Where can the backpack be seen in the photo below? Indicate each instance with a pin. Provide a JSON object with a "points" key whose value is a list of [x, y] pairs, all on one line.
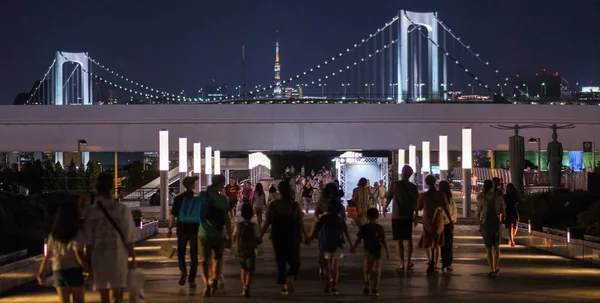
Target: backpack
{"points": [[190, 211], [210, 215], [402, 200], [246, 241], [330, 232]]}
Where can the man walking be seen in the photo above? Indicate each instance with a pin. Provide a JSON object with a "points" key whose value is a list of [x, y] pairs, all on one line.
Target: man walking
{"points": [[186, 232], [405, 195]]}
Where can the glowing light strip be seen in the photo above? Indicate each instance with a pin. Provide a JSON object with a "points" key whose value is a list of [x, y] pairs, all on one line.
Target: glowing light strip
{"points": [[43, 79], [319, 66], [136, 83], [468, 47]]}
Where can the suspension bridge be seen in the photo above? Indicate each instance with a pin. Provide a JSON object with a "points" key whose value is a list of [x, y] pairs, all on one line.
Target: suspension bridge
{"points": [[414, 57]]}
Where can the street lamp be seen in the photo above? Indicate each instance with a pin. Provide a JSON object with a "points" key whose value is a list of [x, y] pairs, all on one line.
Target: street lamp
{"points": [[401, 161], [217, 162], [80, 142], [163, 166], [467, 165], [539, 153], [472, 89]]}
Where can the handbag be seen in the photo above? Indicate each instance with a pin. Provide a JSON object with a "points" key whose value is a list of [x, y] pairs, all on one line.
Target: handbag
{"points": [[135, 278], [352, 212]]}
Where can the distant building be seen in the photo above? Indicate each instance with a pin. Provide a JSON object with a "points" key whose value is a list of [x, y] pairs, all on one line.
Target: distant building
{"points": [[215, 91], [293, 92], [540, 87], [277, 91]]}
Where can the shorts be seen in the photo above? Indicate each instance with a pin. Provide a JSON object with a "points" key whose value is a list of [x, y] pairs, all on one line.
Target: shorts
{"points": [[248, 264], [402, 229], [210, 247], [232, 204], [373, 261], [336, 255], [68, 277]]}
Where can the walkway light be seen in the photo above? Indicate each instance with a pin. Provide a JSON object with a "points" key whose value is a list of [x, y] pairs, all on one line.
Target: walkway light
{"points": [[467, 153], [443, 152], [208, 161], [412, 156], [425, 155], [163, 151], [183, 167], [401, 160], [217, 162]]}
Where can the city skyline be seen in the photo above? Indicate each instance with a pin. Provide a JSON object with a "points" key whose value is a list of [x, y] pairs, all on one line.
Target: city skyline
{"points": [[308, 35]]}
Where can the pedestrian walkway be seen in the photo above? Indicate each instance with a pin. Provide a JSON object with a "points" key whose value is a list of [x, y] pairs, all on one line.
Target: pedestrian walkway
{"points": [[526, 275]]}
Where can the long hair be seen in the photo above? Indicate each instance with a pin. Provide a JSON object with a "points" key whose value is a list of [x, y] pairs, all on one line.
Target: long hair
{"points": [[511, 189], [285, 191], [430, 181], [272, 189], [259, 189], [488, 186], [362, 182], [66, 223], [445, 189], [330, 192]]}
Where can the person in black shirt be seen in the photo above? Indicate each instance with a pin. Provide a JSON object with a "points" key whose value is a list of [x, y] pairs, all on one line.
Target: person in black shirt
{"points": [[374, 236], [186, 232]]}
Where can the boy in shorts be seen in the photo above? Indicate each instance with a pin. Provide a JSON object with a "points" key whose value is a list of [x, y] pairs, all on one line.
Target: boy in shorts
{"points": [[374, 236], [246, 237]]}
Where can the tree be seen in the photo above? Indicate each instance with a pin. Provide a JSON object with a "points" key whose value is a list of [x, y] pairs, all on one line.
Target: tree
{"points": [[151, 173], [135, 174], [93, 171], [71, 181]]}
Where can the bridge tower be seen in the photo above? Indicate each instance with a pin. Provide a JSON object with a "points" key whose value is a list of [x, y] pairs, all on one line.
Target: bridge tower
{"points": [[427, 20], [84, 86]]}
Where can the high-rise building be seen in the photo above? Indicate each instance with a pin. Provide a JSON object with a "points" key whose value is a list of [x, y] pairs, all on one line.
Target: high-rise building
{"points": [[277, 91]]}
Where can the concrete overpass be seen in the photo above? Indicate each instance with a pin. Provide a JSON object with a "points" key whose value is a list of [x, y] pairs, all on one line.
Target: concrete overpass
{"points": [[285, 127]]}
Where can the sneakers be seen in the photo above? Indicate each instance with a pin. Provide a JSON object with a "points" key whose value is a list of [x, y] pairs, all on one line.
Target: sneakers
{"points": [[214, 287], [182, 279], [375, 292], [207, 291], [290, 284], [246, 291], [327, 287], [284, 291], [334, 290], [366, 288]]}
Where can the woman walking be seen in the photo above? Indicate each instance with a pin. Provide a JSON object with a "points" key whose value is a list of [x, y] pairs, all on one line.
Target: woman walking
{"points": [[111, 237], [65, 250], [307, 193], [259, 201], [449, 221], [512, 214], [490, 212], [286, 233], [360, 199], [432, 203]]}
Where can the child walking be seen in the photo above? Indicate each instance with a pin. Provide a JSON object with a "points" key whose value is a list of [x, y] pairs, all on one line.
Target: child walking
{"points": [[246, 236], [374, 236], [330, 229]]}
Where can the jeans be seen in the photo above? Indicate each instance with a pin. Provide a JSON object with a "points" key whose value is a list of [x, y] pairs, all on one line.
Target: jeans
{"points": [[182, 241], [286, 254], [447, 253]]}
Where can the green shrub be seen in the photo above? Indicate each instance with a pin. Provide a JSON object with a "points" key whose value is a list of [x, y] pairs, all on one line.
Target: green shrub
{"points": [[557, 208], [590, 219]]}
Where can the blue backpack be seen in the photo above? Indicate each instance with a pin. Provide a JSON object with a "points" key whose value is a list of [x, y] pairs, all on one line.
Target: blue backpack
{"points": [[330, 233], [191, 210]]}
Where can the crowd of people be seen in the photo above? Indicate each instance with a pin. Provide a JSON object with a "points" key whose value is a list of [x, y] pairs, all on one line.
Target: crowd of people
{"points": [[107, 232]]}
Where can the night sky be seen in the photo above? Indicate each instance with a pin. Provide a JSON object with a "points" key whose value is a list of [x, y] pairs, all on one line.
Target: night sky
{"points": [[177, 45]]}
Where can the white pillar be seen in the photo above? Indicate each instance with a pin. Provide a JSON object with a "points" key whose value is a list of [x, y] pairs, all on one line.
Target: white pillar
{"points": [[467, 164], [198, 164], [163, 163], [401, 162], [183, 163], [217, 163], [443, 157], [208, 164], [426, 159], [412, 161]]}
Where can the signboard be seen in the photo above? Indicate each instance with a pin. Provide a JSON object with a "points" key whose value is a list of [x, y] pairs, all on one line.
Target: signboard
{"points": [[587, 147]]}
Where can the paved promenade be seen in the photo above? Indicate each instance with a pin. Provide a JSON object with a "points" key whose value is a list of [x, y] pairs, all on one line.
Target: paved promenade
{"points": [[525, 276]]}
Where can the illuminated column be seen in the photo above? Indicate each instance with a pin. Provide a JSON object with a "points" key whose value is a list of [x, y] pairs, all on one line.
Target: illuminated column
{"points": [[198, 164], [467, 164], [217, 162], [412, 160], [183, 165], [443, 158], [426, 160], [208, 164], [401, 162], [163, 166]]}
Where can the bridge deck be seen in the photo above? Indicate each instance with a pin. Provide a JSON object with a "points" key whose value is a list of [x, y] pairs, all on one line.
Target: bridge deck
{"points": [[526, 276]]}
